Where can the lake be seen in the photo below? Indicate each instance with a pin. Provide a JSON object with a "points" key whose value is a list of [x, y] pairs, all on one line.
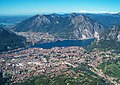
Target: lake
{"points": [[64, 43]]}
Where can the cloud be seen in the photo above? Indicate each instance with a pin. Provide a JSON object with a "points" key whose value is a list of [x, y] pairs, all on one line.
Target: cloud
{"points": [[85, 11]]}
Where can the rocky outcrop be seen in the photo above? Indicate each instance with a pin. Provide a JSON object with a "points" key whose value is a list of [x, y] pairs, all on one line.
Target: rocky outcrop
{"points": [[112, 34]]}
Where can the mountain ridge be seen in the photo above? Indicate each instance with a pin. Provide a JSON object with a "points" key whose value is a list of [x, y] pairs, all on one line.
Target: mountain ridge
{"points": [[66, 26]]}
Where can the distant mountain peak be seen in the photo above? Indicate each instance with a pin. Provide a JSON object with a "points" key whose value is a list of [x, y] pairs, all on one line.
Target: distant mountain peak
{"points": [[73, 14], [39, 16]]}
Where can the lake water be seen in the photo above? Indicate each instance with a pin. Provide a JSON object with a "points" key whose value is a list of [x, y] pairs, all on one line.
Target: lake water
{"points": [[65, 43]]}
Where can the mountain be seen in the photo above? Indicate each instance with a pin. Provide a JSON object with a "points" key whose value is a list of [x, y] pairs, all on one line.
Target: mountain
{"points": [[9, 40], [62, 26], [107, 20], [109, 40], [112, 34]]}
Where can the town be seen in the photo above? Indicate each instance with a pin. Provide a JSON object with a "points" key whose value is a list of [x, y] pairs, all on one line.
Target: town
{"points": [[30, 62]]}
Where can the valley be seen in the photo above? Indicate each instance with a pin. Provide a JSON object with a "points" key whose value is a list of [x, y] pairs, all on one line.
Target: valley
{"points": [[55, 49]]}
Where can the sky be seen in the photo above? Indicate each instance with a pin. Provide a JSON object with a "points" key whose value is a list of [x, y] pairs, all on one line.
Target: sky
{"points": [[22, 7]]}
